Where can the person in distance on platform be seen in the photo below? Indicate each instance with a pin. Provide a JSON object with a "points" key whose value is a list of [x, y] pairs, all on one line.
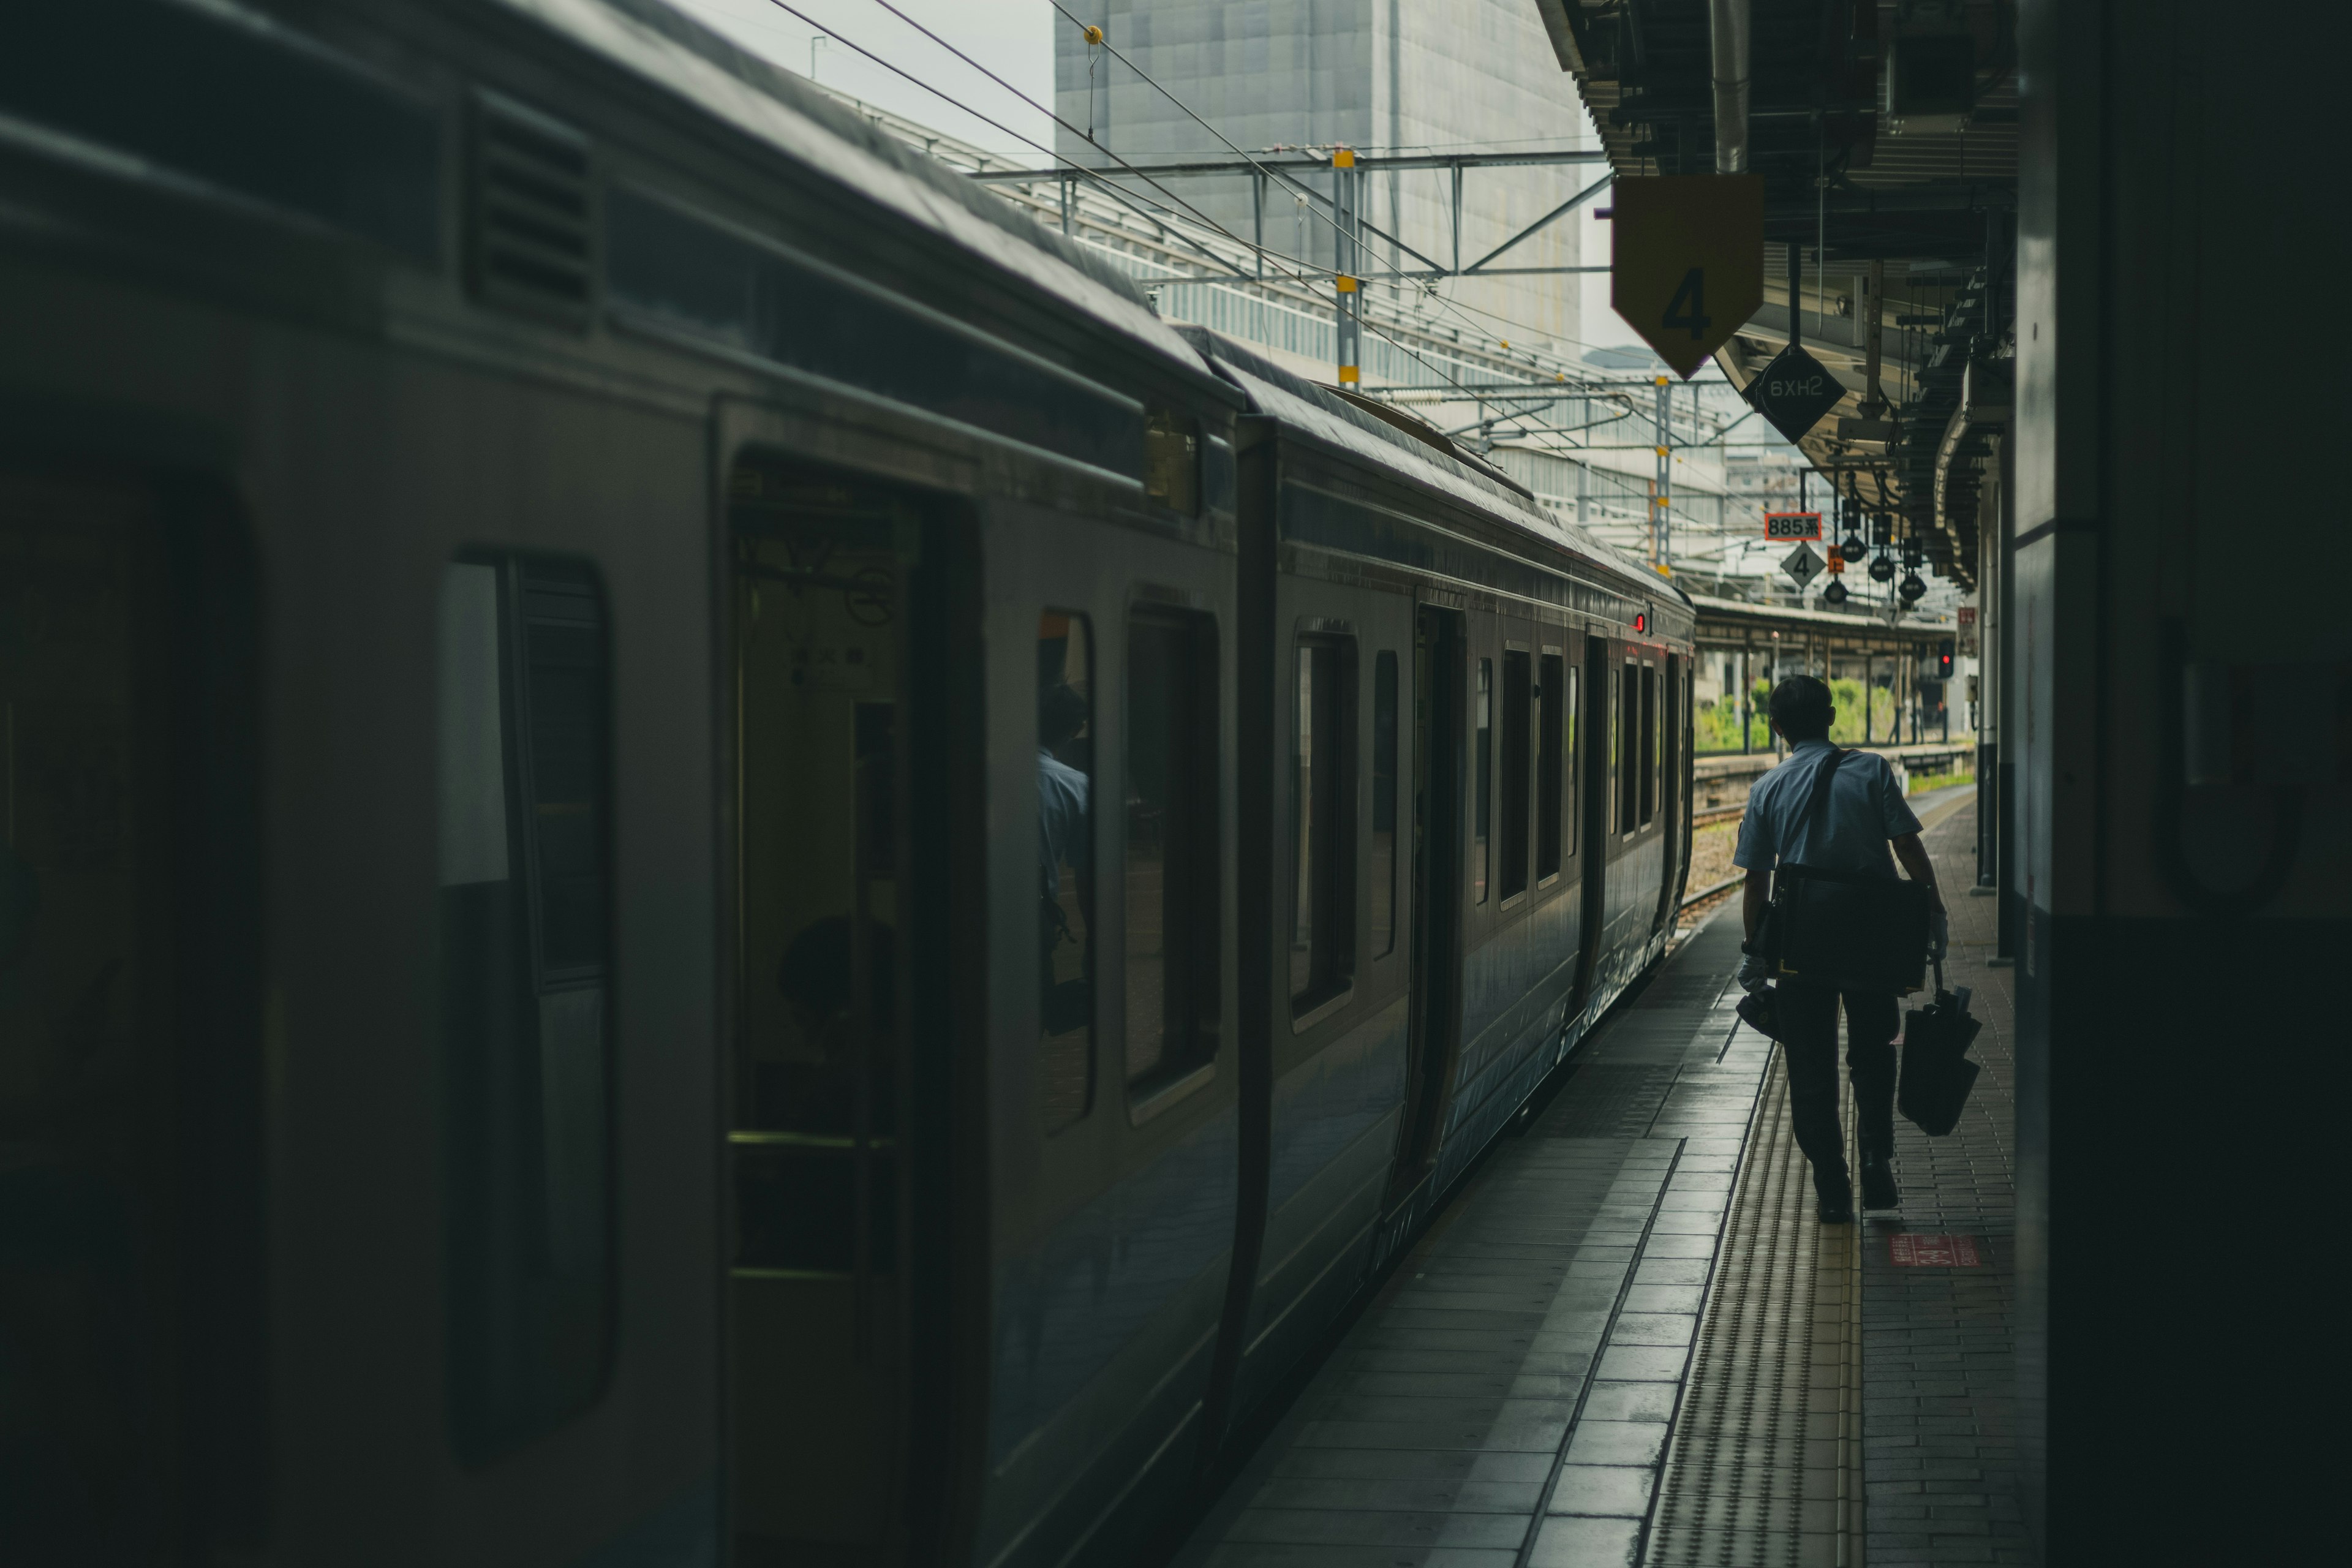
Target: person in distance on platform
{"points": [[1863, 813]]}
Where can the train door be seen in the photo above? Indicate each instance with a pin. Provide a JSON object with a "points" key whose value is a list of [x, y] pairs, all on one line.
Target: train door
{"points": [[1675, 833], [841, 863], [132, 1264], [1597, 801], [1436, 883]]}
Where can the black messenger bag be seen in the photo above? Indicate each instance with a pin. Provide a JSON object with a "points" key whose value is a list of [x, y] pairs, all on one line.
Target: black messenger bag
{"points": [[1848, 929]]}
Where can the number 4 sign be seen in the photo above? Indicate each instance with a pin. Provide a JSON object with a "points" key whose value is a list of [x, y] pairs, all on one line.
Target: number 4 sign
{"points": [[1688, 268]]}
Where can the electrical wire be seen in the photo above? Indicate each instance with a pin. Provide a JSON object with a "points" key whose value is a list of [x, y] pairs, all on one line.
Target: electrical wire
{"points": [[1257, 249], [1110, 188], [1262, 170]]}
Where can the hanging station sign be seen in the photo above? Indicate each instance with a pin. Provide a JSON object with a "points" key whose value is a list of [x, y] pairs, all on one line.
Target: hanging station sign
{"points": [[1801, 565], [1793, 525], [1794, 391], [1687, 265]]}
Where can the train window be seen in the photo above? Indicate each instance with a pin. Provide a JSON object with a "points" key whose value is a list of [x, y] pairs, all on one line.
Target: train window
{"points": [[1571, 771], [1172, 460], [1173, 847], [1551, 692], [1672, 699], [1482, 763], [1651, 716], [1624, 744], [1323, 827], [1066, 868], [525, 910], [1384, 802], [1519, 687]]}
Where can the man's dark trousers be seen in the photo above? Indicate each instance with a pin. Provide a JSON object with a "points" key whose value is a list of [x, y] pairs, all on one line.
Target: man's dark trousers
{"points": [[1806, 1016]]}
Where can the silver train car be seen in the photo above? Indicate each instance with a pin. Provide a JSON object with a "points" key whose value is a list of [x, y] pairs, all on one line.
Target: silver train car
{"points": [[707, 857]]}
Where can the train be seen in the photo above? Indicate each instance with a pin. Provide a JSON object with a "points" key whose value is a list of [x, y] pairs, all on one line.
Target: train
{"points": [[709, 855]]}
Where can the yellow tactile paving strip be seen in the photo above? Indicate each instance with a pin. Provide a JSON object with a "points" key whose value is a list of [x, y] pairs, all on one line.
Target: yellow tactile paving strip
{"points": [[1765, 1469]]}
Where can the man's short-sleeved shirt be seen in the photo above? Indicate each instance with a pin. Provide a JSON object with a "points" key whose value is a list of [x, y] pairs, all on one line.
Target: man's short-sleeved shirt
{"points": [[1061, 822], [1864, 811]]}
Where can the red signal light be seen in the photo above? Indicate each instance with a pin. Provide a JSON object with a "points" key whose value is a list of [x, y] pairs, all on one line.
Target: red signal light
{"points": [[1640, 622]]}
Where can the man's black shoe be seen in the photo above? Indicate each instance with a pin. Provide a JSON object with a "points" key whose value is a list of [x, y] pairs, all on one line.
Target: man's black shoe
{"points": [[1838, 1210], [1878, 1188]]}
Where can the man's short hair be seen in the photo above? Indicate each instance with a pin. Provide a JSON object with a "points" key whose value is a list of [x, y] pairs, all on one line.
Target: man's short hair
{"points": [[1800, 707], [1061, 713]]}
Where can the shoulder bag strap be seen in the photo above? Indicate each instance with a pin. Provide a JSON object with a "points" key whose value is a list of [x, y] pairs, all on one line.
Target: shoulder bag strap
{"points": [[1823, 777], [1815, 801]]}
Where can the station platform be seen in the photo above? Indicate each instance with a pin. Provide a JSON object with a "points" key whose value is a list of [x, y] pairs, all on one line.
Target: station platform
{"points": [[1627, 1341]]}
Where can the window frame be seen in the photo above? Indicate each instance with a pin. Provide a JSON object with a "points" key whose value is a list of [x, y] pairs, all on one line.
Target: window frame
{"points": [[1515, 776], [1083, 884], [1624, 746], [1332, 989], [477, 1437], [1150, 1094], [1553, 766], [1482, 779], [1387, 757]]}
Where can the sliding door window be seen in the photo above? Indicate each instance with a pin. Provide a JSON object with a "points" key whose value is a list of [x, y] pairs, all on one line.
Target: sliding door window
{"points": [[1651, 718], [1066, 881], [1482, 780], [1625, 745], [1322, 817], [1551, 694], [525, 914], [1172, 870], [1384, 802], [1518, 685]]}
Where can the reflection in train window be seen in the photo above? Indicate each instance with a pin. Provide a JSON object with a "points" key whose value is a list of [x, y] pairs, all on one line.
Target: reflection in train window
{"points": [[1550, 762], [1650, 722], [1066, 868], [1572, 768], [1511, 873], [525, 913], [823, 660], [1322, 822], [1172, 460], [1384, 802], [1482, 762], [1172, 870], [1624, 744]]}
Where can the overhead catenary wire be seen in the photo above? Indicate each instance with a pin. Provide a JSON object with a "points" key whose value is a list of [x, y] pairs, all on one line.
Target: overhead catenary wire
{"points": [[1267, 171], [1294, 276], [1521, 426], [1110, 188]]}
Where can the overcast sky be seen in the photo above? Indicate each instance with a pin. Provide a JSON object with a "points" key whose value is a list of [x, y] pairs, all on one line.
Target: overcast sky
{"points": [[1012, 38]]}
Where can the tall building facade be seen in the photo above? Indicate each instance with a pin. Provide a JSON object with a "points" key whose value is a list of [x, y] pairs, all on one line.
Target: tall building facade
{"points": [[1373, 75]]}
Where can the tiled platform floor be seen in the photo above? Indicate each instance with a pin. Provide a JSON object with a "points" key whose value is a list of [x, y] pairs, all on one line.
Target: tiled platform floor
{"points": [[1509, 1397], [1939, 1446]]}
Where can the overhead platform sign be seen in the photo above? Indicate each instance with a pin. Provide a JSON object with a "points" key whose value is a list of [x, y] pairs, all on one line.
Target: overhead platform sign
{"points": [[1688, 266], [1794, 391]]}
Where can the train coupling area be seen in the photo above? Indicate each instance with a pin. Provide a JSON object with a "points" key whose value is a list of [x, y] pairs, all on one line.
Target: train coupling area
{"points": [[1629, 1341]]}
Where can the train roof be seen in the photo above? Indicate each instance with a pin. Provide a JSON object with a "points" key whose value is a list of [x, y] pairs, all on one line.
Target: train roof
{"points": [[649, 39], [1335, 422]]}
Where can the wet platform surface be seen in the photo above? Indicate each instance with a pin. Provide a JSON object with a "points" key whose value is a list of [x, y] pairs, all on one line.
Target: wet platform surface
{"points": [[1627, 1341]]}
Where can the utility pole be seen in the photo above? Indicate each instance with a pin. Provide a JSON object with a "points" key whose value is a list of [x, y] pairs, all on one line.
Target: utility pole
{"points": [[1348, 323], [814, 42], [1662, 490]]}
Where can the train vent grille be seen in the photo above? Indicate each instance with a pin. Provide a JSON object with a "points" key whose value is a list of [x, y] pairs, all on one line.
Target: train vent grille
{"points": [[533, 219]]}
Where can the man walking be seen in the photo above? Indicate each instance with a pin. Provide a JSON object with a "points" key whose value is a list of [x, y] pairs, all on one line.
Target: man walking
{"points": [[1864, 813]]}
